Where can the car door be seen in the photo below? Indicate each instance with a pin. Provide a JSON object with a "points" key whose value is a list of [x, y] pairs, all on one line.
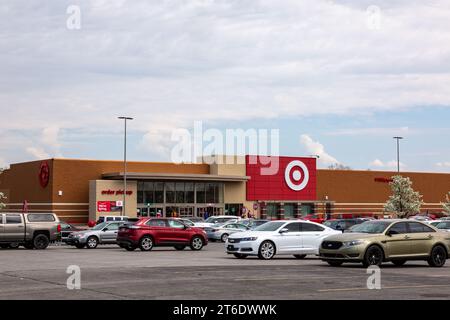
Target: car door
{"points": [[109, 233], [177, 232], [398, 243], [312, 236], [159, 230], [289, 242], [13, 227], [422, 237]]}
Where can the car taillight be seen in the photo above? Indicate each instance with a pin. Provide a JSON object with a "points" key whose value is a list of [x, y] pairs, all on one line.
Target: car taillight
{"points": [[58, 228]]}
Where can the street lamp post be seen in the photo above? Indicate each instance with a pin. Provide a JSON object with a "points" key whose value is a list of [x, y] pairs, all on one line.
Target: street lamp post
{"points": [[398, 152], [124, 164]]}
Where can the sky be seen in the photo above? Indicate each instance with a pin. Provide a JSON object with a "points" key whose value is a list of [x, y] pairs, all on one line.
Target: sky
{"points": [[337, 78]]}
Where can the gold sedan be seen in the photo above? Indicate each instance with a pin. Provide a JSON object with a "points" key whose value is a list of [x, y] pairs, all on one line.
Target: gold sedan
{"points": [[374, 242]]}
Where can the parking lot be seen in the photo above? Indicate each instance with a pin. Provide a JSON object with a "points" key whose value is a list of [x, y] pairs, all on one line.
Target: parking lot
{"points": [[113, 273]]}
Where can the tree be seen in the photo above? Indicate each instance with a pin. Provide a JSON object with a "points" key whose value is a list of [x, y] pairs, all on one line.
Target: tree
{"points": [[338, 166], [2, 196], [446, 205], [404, 201]]}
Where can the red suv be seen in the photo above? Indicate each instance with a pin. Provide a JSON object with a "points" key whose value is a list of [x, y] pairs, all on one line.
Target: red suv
{"points": [[160, 232]]}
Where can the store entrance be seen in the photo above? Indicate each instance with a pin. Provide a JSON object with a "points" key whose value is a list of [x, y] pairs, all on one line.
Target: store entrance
{"points": [[205, 212], [150, 212], [182, 212]]}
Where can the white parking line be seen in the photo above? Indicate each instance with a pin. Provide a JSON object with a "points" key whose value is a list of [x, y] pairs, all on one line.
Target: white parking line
{"points": [[391, 287]]}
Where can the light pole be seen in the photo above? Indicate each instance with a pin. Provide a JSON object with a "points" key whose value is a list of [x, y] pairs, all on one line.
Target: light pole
{"points": [[124, 163], [398, 152]]}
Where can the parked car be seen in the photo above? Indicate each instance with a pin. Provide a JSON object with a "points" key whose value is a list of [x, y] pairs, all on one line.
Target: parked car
{"points": [[433, 223], [342, 224], [374, 242], [187, 222], [216, 219], [67, 229], [102, 219], [420, 218], [196, 219], [103, 233], [444, 225], [313, 218], [284, 237], [158, 232], [256, 223], [221, 232], [32, 230]]}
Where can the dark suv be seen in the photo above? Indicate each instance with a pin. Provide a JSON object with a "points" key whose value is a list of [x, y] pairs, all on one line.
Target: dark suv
{"points": [[158, 232]]}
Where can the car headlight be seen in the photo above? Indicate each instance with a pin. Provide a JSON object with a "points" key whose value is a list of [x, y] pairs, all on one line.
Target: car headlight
{"points": [[352, 243], [249, 239]]}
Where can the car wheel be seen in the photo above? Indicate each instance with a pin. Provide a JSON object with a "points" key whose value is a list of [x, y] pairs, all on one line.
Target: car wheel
{"points": [[398, 263], [300, 256], [130, 248], [437, 257], [224, 237], [146, 243], [4, 246], [373, 257], [240, 255], [41, 241], [196, 243], [335, 263], [92, 242], [79, 246], [180, 247], [266, 250]]}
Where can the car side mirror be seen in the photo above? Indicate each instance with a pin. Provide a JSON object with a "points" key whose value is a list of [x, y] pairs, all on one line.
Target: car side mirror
{"points": [[391, 232], [106, 229], [284, 230]]}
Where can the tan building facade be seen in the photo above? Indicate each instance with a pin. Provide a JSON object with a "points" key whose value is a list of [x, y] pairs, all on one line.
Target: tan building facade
{"points": [[81, 190]]}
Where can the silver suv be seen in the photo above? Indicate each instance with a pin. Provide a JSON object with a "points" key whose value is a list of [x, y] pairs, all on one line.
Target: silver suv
{"points": [[103, 233]]}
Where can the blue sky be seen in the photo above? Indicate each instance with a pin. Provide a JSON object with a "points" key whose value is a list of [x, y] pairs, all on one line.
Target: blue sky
{"points": [[337, 78]]}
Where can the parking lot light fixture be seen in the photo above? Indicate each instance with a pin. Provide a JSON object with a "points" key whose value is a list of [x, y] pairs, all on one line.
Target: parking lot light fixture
{"points": [[124, 163]]}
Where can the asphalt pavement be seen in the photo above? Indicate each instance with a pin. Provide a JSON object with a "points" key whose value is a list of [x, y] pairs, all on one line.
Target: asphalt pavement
{"points": [[110, 272]]}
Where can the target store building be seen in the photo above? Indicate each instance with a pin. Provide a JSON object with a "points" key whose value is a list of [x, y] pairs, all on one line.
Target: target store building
{"points": [[264, 187]]}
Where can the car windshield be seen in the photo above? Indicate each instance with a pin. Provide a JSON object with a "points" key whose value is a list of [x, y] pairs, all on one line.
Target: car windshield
{"points": [[211, 220], [270, 226], [371, 227], [443, 225], [100, 226], [329, 223]]}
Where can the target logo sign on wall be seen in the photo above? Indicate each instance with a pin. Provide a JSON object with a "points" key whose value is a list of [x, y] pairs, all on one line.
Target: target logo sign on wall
{"points": [[294, 180]]}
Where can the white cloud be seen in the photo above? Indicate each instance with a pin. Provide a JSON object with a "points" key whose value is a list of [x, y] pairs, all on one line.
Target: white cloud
{"points": [[37, 153], [377, 163], [316, 148], [177, 61], [443, 164]]}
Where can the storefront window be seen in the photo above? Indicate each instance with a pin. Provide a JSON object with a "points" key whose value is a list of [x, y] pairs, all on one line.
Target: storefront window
{"points": [[149, 196], [189, 192], [179, 189], [159, 192], [288, 210], [209, 191], [271, 210], [200, 190], [170, 192]]}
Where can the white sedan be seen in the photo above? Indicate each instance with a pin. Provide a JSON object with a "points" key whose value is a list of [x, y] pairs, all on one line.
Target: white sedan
{"points": [[287, 237]]}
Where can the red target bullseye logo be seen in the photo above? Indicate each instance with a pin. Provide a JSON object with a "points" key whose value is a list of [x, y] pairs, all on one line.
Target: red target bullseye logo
{"points": [[296, 175]]}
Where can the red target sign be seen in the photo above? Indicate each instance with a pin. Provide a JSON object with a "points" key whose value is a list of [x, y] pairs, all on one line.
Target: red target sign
{"points": [[294, 179], [44, 174]]}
